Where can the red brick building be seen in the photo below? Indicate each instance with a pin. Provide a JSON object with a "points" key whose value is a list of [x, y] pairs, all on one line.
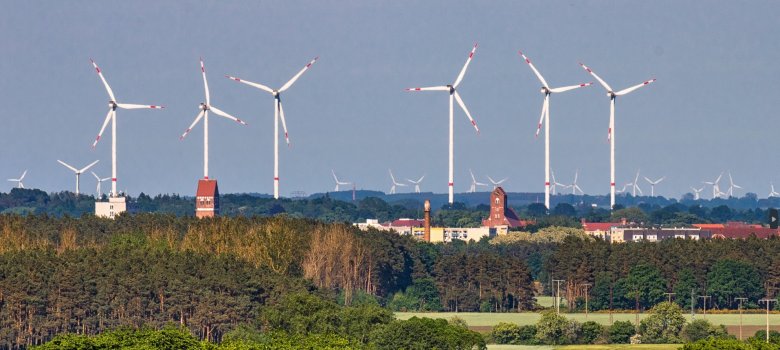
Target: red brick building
{"points": [[741, 230], [207, 198], [500, 212]]}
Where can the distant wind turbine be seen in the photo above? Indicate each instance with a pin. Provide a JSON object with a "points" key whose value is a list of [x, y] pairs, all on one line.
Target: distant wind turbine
{"points": [[338, 183], [497, 183], [715, 186], [635, 185], [395, 183], [451, 89], [78, 171], [696, 193], [773, 193], [99, 181], [416, 183], [574, 186], [732, 186], [653, 183], [19, 183], [474, 183]]}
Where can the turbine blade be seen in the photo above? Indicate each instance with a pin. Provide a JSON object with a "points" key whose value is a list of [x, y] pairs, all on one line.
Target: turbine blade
{"points": [[23, 175], [533, 68], [224, 114], [247, 82], [284, 123], [197, 119], [305, 68], [103, 128], [68, 166], [88, 166], [637, 86], [541, 118], [465, 66], [430, 88], [463, 105], [567, 88], [95, 175], [134, 106], [601, 81], [205, 82], [105, 83]]}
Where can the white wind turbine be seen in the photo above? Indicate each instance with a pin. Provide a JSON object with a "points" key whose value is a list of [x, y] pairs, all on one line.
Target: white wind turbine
{"points": [[611, 132], [623, 190], [732, 186], [574, 186], [99, 181], [453, 94], [205, 107], [696, 193], [497, 183], [78, 171], [772, 193], [395, 183], [111, 117], [338, 183], [653, 183], [554, 184], [19, 183], [278, 112], [474, 183], [416, 183], [715, 186], [635, 185], [545, 118]]}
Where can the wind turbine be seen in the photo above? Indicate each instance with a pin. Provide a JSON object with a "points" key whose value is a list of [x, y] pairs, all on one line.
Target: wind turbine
{"points": [[545, 118], [611, 132], [278, 112], [99, 181], [773, 193], [395, 183], [474, 183], [574, 186], [496, 183], [338, 183], [732, 186], [696, 193], [653, 183], [416, 183], [19, 183], [635, 185], [111, 117], [453, 94], [623, 190], [78, 171], [205, 107], [715, 186], [554, 184]]}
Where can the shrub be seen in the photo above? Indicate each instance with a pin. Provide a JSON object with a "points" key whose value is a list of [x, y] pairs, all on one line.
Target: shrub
{"points": [[702, 329], [505, 333], [663, 325], [589, 332], [620, 332], [720, 344], [555, 329]]}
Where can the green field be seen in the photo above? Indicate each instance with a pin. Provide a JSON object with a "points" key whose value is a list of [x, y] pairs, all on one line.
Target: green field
{"points": [[486, 319], [587, 347]]}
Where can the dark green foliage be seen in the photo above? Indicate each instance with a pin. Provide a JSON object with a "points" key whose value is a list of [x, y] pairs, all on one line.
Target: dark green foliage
{"points": [[425, 333], [731, 278], [728, 344], [620, 332], [760, 336], [555, 329], [702, 329], [590, 332], [663, 325]]}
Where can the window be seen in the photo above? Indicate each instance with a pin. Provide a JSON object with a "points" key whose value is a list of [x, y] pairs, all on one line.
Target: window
{"points": [[498, 201], [637, 237]]}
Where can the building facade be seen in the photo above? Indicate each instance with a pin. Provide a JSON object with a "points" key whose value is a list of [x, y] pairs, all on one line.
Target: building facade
{"points": [[207, 199]]}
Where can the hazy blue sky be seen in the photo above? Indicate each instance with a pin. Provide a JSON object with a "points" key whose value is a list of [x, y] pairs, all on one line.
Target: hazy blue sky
{"points": [[712, 109]]}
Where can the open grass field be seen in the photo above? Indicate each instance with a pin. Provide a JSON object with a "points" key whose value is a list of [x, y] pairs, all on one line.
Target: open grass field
{"points": [[587, 347]]}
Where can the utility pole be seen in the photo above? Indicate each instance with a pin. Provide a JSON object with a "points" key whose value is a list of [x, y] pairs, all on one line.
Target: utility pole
{"points": [[558, 297], [693, 305], [587, 285], [740, 316], [767, 301], [669, 296], [705, 303]]}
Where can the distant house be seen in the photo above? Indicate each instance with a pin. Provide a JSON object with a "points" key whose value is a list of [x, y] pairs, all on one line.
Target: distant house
{"points": [[740, 230], [207, 198], [501, 215]]}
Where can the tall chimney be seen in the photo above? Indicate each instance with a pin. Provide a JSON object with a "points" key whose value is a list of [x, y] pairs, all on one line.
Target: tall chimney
{"points": [[427, 224]]}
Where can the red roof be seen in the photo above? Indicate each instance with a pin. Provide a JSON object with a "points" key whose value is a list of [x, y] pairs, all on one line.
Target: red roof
{"points": [[207, 188], [709, 226], [407, 223], [600, 226]]}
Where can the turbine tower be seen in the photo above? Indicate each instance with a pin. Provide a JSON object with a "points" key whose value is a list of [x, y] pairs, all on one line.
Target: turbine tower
{"points": [[278, 112], [338, 183], [611, 132], [496, 183], [78, 171], [19, 183], [474, 183], [653, 183], [205, 107], [99, 181], [111, 117], [545, 118], [395, 183], [453, 95], [416, 183]]}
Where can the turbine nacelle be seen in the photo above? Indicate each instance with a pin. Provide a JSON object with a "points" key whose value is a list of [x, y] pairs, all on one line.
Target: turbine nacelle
{"points": [[112, 105], [204, 107], [545, 90]]}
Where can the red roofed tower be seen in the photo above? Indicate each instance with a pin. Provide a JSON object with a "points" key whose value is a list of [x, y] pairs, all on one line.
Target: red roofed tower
{"points": [[500, 212], [207, 199]]}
